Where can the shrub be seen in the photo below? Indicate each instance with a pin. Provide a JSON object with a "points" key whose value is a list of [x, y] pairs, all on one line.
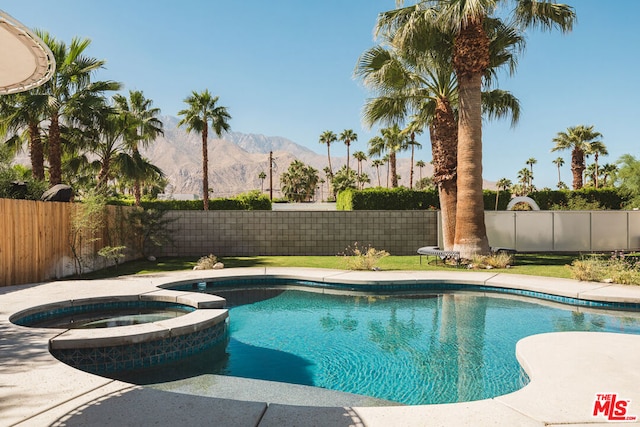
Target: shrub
{"points": [[363, 258], [499, 260], [617, 269], [206, 262]]}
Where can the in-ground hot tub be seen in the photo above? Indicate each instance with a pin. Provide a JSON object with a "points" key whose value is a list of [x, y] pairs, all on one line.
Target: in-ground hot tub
{"points": [[144, 342]]}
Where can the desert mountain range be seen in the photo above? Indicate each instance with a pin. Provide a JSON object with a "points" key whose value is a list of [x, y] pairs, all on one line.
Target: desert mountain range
{"points": [[236, 160]]}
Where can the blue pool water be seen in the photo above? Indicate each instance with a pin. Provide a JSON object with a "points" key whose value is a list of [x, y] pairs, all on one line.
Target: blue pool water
{"points": [[420, 349], [412, 350]]}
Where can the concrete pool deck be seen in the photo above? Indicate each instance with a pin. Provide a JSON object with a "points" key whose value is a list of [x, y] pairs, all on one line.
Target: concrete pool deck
{"points": [[567, 369]]}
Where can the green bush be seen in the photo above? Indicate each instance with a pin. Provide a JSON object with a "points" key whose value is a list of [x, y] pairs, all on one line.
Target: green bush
{"points": [[387, 199], [489, 198]]}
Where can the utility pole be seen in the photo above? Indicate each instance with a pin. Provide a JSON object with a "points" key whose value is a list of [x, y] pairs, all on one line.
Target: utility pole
{"points": [[270, 175]]}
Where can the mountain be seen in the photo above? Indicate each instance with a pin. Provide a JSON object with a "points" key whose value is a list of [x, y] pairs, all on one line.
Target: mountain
{"points": [[236, 160]]}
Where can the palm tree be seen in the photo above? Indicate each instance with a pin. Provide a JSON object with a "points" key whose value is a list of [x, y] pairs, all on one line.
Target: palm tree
{"points": [[360, 157], [416, 81], [530, 163], [25, 111], [524, 178], [608, 170], [145, 128], [391, 141], [202, 110], [69, 92], [578, 140], [348, 136], [299, 182], [415, 127], [420, 164], [376, 164], [559, 162], [344, 179], [597, 148], [466, 20], [328, 137], [503, 183], [262, 176], [363, 179]]}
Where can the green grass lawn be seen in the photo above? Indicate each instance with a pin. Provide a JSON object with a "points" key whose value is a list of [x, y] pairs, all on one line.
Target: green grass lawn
{"points": [[537, 264]]}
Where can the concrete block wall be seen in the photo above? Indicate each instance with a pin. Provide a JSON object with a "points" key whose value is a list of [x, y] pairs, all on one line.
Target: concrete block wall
{"points": [[246, 233]]}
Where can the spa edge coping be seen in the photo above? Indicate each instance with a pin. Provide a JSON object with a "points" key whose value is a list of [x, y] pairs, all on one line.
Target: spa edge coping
{"points": [[209, 312]]}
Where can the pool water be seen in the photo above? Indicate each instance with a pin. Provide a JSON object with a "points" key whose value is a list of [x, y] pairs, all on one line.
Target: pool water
{"points": [[111, 317], [408, 349]]}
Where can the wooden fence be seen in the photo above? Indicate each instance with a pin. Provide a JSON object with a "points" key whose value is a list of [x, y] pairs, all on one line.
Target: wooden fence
{"points": [[35, 241]]}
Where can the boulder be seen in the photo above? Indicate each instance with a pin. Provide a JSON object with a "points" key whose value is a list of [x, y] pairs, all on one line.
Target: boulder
{"points": [[58, 193]]}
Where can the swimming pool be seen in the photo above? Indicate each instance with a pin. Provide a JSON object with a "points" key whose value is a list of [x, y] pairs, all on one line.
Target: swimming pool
{"points": [[412, 349]]}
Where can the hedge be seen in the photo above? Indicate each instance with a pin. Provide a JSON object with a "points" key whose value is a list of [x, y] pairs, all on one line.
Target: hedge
{"points": [[387, 199], [607, 198], [243, 202]]}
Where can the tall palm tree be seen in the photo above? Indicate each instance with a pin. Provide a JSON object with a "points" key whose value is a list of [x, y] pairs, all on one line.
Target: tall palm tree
{"points": [[328, 137], [145, 127], [419, 81], [530, 162], [470, 59], [420, 164], [69, 92], [578, 140], [596, 148], [559, 162], [348, 136], [203, 109], [376, 164]]}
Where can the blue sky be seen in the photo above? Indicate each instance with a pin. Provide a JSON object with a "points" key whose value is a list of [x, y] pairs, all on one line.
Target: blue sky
{"points": [[285, 68]]}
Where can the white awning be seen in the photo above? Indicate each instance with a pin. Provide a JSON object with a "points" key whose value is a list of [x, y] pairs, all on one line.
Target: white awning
{"points": [[25, 60]]}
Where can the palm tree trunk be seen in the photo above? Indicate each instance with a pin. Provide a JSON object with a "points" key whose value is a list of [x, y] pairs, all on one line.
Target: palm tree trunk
{"points": [[55, 152], [329, 159], [596, 172], [103, 175], [577, 167], [36, 152], [411, 167], [137, 193], [443, 133], [448, 194], [394, 169], [471, 233], [378, 173], [348, 159], [205, 166]]}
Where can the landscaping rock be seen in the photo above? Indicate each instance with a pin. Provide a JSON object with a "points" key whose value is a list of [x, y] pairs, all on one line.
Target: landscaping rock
{"points": [[58, 193]]}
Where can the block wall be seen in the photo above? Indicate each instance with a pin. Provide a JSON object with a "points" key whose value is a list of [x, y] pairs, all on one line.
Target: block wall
{"points": [[246, 233]]}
